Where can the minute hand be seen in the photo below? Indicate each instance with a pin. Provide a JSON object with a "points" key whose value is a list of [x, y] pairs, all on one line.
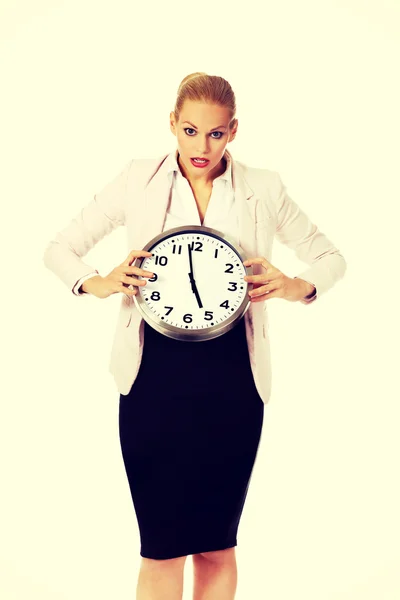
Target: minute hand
{"points": [[192, 280]]}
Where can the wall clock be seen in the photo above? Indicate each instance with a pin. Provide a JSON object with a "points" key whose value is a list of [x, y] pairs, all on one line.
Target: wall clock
{"points": [[198, 291]]}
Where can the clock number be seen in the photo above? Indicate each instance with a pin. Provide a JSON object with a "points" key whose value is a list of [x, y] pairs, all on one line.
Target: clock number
{"points": [[154, 278], [199, 246], [174, 249], [188, 318], [234, 286], [225, 304], [161, 260], [155, 295], [170, 310], [216, 253], [230, 270], [208, 316]]}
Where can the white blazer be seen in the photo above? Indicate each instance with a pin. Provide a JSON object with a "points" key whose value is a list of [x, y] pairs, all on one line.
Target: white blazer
{"points": [[138, 198]]}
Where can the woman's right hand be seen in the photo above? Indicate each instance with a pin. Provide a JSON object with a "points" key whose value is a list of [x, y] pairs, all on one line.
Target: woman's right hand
{"points": [[119, 278]]}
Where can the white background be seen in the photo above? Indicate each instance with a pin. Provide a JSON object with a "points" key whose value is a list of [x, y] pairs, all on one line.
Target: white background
{"points": [[87, 86]]}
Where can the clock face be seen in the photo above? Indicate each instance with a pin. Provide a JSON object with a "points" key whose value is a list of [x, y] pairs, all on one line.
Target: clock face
{"points": [[198, 291]]}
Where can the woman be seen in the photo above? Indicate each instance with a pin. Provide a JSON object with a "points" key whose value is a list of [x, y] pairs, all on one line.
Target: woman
{"points": [[191, 414]]}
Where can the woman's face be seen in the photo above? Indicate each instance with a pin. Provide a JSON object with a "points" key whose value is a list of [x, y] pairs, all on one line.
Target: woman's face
{"points": [[202, 132]]}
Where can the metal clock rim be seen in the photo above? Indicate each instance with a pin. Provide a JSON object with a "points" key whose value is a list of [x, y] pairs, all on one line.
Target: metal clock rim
{"points": [[191, 335]]}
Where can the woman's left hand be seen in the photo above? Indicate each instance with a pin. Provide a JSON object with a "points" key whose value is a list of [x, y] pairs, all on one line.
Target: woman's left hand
{"points": [[273, 283]]}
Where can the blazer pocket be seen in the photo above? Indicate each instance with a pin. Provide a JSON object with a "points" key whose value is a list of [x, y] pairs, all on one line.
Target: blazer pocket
{"points": [[263, 223], [263, 220], [264, 232], [263, 228]]}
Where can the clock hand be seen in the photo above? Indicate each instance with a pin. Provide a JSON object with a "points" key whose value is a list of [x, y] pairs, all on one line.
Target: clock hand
{"points": [[191, 267], [192, 280], [190, 262], [197, 295]]}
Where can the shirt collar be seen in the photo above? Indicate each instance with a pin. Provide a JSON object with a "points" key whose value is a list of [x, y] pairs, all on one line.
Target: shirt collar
{"points": [[173, 167]]}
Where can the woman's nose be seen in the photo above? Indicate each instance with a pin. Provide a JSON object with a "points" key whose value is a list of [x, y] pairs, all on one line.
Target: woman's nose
{"points": [[203, 148]]}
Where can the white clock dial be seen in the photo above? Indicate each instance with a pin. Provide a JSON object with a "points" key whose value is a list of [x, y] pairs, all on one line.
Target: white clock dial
{"points": [[198, 291]]}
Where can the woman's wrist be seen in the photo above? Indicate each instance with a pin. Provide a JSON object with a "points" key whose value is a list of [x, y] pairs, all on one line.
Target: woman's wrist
{"points": [[89, 285], [308, 291]]}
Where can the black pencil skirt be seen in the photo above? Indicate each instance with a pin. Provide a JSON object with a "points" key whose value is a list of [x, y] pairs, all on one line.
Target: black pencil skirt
{"points": [[189, 430]]}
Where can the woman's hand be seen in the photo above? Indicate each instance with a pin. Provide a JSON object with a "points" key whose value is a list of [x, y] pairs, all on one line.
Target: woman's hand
{"points": [[273, 283], [119, 278]]}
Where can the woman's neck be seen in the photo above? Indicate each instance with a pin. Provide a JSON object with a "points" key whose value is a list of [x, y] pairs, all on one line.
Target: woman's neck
{"points": [[200, 183]]}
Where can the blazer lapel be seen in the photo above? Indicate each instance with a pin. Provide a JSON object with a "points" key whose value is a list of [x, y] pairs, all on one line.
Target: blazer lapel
{"points": [[246, 211], [153, 206]]}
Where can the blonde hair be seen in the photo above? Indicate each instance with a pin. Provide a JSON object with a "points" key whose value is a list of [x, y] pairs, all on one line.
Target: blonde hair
{"points": [[201, 87]]}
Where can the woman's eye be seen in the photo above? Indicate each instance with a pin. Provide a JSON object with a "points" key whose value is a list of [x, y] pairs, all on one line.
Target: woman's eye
{"points": [[220, 133]]}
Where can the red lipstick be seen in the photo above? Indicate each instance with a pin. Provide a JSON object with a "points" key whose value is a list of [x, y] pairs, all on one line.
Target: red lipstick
{"points": [[199, 165]]}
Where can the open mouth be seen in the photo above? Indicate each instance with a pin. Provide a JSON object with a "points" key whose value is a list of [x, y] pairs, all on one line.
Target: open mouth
{"points": [[197, 162]]}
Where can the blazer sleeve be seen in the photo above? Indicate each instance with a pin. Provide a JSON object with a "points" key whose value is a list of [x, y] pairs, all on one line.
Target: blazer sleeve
{"points": [[80, 281], [106, 211], [311, 246]]}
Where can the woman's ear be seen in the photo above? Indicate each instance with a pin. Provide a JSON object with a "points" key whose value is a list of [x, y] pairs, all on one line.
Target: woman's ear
{"points": [[172, 122], [232, 134]]}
